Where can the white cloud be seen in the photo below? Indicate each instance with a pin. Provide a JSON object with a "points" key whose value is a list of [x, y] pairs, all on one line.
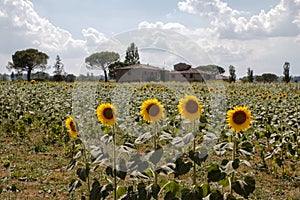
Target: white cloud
{"points": [[26, 29], [93, 37], [163, 39], [3, 13], [262, 42], [282, 20], [206, 38], [37, 31], [223, 41], [260, 54]]}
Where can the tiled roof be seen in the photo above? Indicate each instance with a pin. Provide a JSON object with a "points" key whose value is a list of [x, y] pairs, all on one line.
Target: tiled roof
{"points": [[143, 66], [191, 71]]}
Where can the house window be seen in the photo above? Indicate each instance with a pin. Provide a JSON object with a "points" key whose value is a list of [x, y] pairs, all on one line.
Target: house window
{"points": [[173, 76], [191, 75]]}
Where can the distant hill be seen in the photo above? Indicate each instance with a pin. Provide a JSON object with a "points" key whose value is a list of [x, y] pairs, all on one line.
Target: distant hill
{"points": [[212, 68]]}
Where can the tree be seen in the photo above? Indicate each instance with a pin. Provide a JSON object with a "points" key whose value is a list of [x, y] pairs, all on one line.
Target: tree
{"points": [[28, 60], [232, 75], [221, 70], [40, 76], [269, 77], [212, 68], [12, 76], [132, 55], [250, 77], [112, 68], [58, 70], [286, 72], [3, 77], [70, 78], [101, 61]]}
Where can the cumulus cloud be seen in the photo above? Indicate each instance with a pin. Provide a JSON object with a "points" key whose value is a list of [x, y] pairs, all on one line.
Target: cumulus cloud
{"points": [[282, 20], [231, 38], [207, 39], [93, 37], [253, 53], [26, 29], [24, 25]]}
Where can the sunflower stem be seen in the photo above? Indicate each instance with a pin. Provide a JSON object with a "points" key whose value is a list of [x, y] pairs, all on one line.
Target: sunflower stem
{"points": [[194, 152], [155, 146], [233, 158], [86, 166], [114, 164]]}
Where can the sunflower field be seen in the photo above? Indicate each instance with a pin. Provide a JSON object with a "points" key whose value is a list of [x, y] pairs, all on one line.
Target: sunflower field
{"points": [[154, 140]]}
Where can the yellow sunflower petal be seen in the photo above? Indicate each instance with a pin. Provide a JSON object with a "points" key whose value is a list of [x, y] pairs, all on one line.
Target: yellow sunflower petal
{"points": [[189, 107], [106, 114], [239, 118], [71, 125], [152, 110]]}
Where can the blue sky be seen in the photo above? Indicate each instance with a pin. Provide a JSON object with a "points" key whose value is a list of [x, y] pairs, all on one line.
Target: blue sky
{"points": [[258, 34], [115, 16]]}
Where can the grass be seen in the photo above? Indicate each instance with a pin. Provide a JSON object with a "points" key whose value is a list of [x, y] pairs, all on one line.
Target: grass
{"points": [[27, 174], [34, 151]]}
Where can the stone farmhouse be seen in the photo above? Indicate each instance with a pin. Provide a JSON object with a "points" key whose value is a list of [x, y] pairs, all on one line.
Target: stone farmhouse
{"points": [[144, 72]]}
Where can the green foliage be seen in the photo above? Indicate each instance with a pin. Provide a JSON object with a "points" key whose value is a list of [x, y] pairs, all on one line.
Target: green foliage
{"points": [[102, 60], [250, 76], [215, 174], [194, 194], [244, 187], [28, 60], [232, 75], [182, 167], [286, 72], [58, 69], [267, 77], [70, 78], [132, 55], [198, 157], [212, 68], [41, 107], [99, 192], [83, 173], [112, 68], [40, 76], [4, 77]]}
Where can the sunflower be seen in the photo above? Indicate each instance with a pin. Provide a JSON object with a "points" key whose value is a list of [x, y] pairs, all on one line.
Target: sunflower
{"points": [[106, 114], [189, 107], [71, 125], [152, 110], [284, 95], [239, 119], [270, 96]]}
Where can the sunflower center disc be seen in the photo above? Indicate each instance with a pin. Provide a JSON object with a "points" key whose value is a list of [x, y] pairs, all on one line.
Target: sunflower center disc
{"points": [[239, 117], [108, 113], [72, 126], [153, 110], [192, 106]]}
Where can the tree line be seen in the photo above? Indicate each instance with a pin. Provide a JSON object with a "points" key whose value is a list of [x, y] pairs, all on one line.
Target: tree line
{"points": [[265, 77], [30, 60]]}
